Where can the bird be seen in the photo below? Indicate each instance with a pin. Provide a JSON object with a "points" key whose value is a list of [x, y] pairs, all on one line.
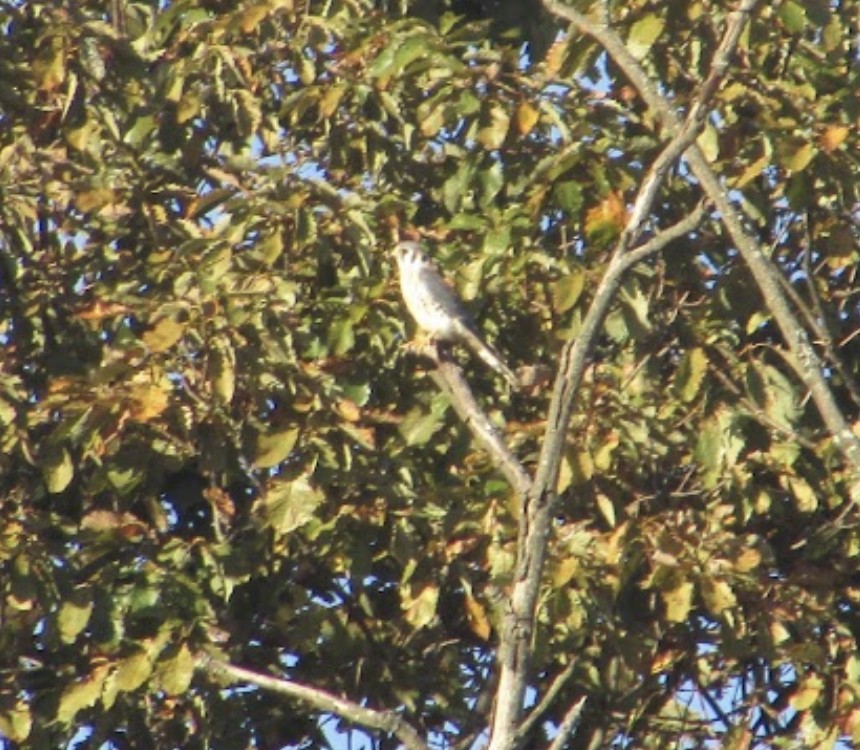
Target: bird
{"points": [[437, 309]]}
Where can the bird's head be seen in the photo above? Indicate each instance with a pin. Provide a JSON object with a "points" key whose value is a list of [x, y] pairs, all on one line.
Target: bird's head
{"points": [[409, 254]]}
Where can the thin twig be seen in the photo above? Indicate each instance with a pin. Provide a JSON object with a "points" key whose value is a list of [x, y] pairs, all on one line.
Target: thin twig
{"points": [[568, 724], [385, 721], [538, 712]]}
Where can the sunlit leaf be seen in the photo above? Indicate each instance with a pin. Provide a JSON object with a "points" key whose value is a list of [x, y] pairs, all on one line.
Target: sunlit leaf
{"points": [[420, 609], [173, 674], [807, 693], [74, 614], [287, 505], [275, 446], [566, 291], [643, 34], [57, 469], [678, 601], [718, 595], [81, 694], [494, 128]]}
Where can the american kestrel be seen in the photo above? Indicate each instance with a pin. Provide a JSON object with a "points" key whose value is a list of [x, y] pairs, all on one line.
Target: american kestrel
{"points": [[437, 310]]}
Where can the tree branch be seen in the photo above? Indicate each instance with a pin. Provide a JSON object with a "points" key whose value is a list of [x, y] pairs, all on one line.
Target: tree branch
{"points": [[806, 361], [568, 724], [385, 721], [449, 377], [537, 713], [535, 526]]}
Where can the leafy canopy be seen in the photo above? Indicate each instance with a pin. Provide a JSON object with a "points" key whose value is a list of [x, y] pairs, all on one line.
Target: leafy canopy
{"points": [[214, 441]]}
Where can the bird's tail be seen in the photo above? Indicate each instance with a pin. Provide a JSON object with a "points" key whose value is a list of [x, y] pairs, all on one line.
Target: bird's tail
{"points": [[489, 356]]}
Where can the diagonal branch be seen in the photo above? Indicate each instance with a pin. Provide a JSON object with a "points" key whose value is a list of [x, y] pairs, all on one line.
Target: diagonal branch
{"points": [[535, 527], [568, 724], [385, 721], [448, 376], [538, 712]]}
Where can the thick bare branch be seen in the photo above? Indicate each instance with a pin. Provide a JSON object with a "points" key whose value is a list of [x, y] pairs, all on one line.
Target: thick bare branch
{"points": [[385, 721]]}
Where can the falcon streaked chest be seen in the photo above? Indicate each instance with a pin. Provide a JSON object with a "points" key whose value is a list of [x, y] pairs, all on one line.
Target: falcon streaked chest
{"points": [[429, 299]]}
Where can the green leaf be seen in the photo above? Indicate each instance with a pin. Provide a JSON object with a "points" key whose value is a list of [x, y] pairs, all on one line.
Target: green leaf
{"points": [[690, 374], [494, 128], [643, 34], [793, 15], [57, 469], [287, 505], [274, 447], [80, 695], [173, 674], [567, 290], [74, 614], [419, 426], [568, 196]]}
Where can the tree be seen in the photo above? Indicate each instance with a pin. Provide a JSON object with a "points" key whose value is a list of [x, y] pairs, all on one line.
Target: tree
{"points": [[237, 511]]}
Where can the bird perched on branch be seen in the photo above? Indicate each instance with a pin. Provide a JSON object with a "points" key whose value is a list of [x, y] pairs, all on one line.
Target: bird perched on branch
{"points": [[437, 309]]}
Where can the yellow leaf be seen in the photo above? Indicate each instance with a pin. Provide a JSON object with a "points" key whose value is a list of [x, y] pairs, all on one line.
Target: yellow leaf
{"points": [[709, 142], [222, 373], [749, 559], [331, 99], [420, 610], [800, 158], [494, 131], [92, 200], [49, 67], [274, 447], [476, 614], [174, 674], [251, 17], [16, 721], [833, 138], [753, 170], [807, 693], [555, 56], [804, 495], [164, 334], [576, 469], [74, 615], [133, 671], [57, 470], [146, 401], [718, 595], [643, 34], [527, 117], [678, 601], [80, 695], [607, 509], [606, 220]]}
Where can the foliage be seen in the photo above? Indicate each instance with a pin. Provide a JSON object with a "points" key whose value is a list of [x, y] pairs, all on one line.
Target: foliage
{"points": [[214, 441]]}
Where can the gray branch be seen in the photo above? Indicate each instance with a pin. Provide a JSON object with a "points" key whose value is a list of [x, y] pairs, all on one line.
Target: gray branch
{"points": [[385, 721]]}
